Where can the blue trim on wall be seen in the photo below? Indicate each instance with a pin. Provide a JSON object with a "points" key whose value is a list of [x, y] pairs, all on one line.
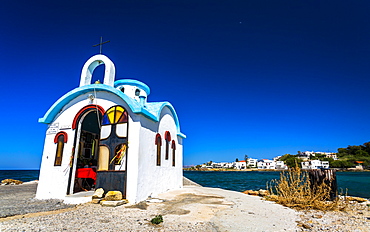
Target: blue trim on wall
{"points": [[136, 83], [153, 111]]}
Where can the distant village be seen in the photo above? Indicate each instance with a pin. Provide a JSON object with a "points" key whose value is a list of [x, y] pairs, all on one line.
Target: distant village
{"points": [[307, 161]]}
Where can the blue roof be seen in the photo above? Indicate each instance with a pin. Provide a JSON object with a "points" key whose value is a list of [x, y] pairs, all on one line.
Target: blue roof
{"points": [[152, 110]]}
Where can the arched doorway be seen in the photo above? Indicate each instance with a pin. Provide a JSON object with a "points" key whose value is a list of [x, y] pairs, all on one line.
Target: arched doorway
{"points": [[86, 148]]}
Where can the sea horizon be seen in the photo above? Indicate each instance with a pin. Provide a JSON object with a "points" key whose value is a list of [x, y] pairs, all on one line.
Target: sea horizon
{"points": [[353, 183]]}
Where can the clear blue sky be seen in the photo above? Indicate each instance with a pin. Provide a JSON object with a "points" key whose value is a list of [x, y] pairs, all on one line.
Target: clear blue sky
{"points": [[262, 78]]}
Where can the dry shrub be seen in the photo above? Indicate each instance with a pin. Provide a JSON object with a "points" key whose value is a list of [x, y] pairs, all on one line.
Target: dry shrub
{"points": [[294, 190]]}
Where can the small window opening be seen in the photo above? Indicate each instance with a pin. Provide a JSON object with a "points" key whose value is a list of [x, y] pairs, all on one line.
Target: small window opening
{"points": [[167, 137], [98, 74], [173, 146], [137, 92], [123, 89], [59, 139], [158, 142]]}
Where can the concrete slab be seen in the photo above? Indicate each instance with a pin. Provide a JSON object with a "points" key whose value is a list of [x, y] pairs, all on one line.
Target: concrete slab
{"points": [[78, 198], [113, 203], [226, 210]]}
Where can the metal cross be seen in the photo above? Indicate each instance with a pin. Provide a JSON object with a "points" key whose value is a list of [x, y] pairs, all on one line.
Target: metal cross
{"points": [[101, 43]]}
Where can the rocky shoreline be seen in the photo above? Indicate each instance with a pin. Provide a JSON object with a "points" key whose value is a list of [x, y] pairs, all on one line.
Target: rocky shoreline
{"points": [[192, 208]]}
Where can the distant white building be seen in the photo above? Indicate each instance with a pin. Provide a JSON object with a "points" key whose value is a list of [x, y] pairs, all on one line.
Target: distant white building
{"points": [[229, 165], [329, 155], [252, 162], [307, 154], [240, 165], [315, 164], [222, 165], [266, 164], [206, 166], [216, 165], [281, 165]]}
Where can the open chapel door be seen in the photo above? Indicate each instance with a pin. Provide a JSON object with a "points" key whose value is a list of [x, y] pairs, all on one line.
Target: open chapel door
{"points": [[111, 174], [85, 157]]}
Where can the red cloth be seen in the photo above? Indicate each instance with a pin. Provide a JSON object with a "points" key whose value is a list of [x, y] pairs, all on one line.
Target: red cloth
{"points": [[86, 173]]}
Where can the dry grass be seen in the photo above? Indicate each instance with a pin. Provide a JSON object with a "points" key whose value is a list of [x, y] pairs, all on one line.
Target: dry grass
{"points": [[293, 190]]}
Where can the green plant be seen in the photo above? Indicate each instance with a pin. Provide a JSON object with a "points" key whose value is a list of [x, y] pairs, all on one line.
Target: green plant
{"points": [[157, 219]]}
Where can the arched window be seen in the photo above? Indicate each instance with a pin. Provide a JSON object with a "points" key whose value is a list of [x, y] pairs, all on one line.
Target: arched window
{"points": [[59, 139], [116, 115], [173, 146], [158, 142], [167, 137], [113, 138]]}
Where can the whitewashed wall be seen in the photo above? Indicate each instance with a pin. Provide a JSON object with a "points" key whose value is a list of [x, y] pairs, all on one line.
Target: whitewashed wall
{"points": [[132, 157], [153, 179]]}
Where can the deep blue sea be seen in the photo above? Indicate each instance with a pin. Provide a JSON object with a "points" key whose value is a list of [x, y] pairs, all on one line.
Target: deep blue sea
{"points": [[356, 183], [22, 175]]}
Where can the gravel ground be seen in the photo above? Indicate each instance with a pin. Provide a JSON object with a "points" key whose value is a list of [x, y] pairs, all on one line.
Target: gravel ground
{"points": [[193, 208], [355, 219], [90, 217], [19, 199]]}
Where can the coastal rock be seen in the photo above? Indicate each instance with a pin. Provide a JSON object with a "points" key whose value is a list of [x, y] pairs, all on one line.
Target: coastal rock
{"points": [[113, 203], [358, 199], [113, 196], [272, 197], [11, 182], [251, 192], [98, 193], [263, 192]]}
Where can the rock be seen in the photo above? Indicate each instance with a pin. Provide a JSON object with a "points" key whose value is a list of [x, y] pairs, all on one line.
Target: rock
{"points": [[254, 193], [113, 196], [263, 192], [96, 200], [358, 199], [272, 197], [251, 192], [306, 226], [113, 203], [11, 182], [98, 193]]}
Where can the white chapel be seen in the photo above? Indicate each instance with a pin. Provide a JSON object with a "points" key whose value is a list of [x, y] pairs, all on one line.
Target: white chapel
{"points": [[109, 135]]}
